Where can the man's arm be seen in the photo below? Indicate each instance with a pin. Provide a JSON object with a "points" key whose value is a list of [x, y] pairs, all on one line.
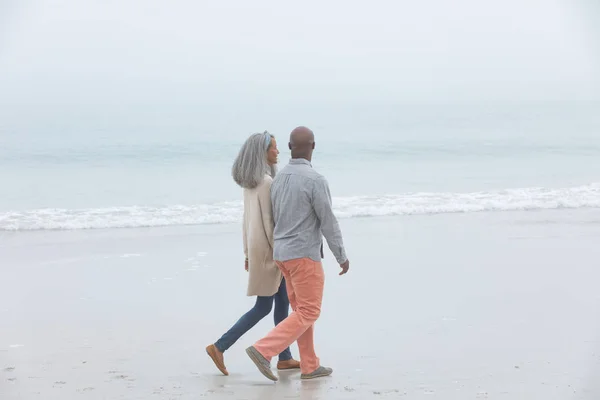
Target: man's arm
{"points": [[321, 201]]}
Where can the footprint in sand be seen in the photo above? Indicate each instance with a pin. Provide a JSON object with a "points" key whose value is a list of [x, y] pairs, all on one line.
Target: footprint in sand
{"points": [[197, 257], [9, 369], [120, 376]]}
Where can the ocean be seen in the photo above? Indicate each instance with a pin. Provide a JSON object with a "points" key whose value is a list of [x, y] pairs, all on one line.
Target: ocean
{"points": [[380, 161]]}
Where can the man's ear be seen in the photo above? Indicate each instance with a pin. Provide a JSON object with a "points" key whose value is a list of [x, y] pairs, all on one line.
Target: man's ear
{"points": [[289, 145], [313, 145]]}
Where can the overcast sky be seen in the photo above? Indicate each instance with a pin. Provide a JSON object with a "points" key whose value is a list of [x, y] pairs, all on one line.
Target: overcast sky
{"points": [[110, 58]]}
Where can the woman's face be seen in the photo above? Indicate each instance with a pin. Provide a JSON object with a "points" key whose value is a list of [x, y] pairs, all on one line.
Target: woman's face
{"points": [[272, 153]]}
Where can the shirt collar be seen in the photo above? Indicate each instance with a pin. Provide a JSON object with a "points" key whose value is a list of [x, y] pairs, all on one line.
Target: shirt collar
{"points": [[296, 161]]}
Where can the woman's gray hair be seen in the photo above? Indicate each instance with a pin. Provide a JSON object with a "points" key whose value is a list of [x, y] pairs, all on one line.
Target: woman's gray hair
{"points": [[251, 166]]}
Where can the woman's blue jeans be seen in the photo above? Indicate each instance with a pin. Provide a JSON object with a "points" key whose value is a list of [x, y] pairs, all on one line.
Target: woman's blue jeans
{"points": [[261, 309]]}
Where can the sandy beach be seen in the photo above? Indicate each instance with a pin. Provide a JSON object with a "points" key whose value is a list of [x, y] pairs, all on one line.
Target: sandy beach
{"points": [[464, 306]]}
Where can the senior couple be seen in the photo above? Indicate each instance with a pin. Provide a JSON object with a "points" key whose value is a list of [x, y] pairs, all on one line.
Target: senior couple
{"points": [[286, 216]]}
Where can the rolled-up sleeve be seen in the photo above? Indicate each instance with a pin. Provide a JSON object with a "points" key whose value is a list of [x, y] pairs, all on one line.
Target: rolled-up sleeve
{"points": [[321, 201]]}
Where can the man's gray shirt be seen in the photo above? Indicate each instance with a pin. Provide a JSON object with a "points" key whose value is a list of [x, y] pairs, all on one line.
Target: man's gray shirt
{"points": [[303, 214]]}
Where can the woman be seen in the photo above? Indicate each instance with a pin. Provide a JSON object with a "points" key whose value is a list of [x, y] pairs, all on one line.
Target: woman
{"points": [[253, 170]]}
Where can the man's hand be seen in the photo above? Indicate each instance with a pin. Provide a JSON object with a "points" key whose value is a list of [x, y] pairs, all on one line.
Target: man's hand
{"points": [[246, 264], [345, 266]]}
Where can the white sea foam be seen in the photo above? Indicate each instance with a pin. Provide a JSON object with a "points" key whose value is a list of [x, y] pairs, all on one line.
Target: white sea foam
{"points": [[587, 196]]}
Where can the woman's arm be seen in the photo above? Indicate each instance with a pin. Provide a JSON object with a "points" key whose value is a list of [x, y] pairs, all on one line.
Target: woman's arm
{"points": [[266, 210], [245, 239]]}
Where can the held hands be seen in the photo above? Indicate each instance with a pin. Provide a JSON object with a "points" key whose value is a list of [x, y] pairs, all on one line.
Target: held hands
{"points": [[246, 264], [345, 266]]}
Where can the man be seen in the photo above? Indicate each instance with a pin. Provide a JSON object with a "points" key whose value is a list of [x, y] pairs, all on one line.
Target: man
{"points": [[302, 214]]}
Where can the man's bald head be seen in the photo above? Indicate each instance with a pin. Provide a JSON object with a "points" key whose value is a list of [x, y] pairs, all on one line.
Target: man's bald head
{"points": [[302, 136], [302, 143]]}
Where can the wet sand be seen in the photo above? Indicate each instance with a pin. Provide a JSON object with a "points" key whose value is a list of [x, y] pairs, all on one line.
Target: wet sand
{"points": [[468, 306]]}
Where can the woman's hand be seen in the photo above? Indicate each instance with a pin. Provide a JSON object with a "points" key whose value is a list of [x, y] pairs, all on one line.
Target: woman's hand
{"points": [[246, 264]]}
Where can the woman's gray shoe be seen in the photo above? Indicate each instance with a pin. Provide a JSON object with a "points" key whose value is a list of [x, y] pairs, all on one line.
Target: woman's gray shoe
{"points": [[318, 373], [263, 365]]}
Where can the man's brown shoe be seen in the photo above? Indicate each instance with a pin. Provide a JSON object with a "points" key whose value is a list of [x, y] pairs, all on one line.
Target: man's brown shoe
{"points": [[288, 364], [217, 358]]}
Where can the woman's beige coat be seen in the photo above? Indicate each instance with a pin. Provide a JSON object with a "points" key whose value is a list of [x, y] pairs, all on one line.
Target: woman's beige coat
{"points": [[264, 276]]}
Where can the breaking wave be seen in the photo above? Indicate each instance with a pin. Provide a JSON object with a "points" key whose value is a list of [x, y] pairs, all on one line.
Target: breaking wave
{"points": [[587, 196]]}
